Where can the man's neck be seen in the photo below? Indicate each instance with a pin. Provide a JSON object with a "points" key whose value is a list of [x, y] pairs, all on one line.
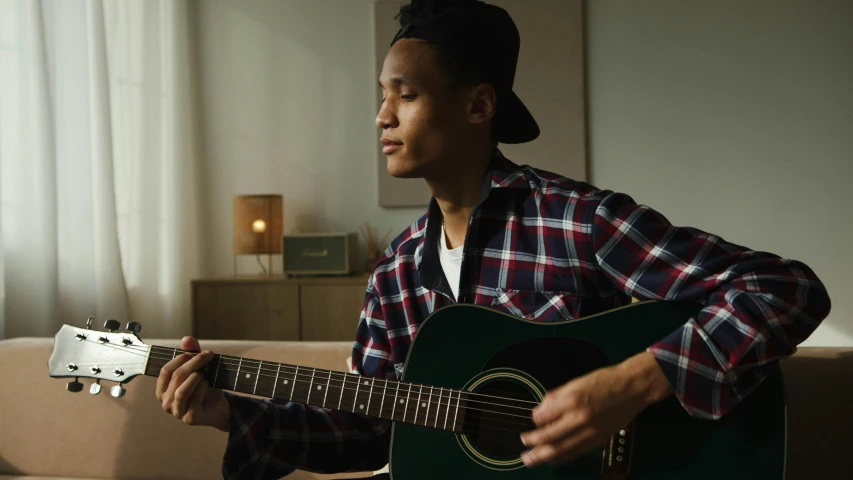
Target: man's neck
{"points": [[458, 193]]}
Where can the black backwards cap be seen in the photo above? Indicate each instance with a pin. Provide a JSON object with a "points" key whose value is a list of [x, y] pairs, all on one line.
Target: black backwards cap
{"points": [[481, 36]]}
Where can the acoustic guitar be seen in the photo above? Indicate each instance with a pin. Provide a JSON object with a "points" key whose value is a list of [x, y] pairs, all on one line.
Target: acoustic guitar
{"points": [[470, 381]]}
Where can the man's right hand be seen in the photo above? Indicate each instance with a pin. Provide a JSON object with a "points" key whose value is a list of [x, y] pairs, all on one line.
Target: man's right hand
{"points": [[185, 393]]}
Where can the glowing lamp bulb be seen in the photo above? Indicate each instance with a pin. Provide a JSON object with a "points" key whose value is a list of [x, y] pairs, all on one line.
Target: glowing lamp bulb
{"points": [[259, 226]]}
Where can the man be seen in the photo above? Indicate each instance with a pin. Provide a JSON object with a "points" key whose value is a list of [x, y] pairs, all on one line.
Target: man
{"points": [[524, 241]]}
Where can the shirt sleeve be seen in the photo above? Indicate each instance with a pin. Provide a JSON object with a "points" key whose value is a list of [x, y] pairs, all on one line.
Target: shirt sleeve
{"points": [[272, 438], [757, 307]]}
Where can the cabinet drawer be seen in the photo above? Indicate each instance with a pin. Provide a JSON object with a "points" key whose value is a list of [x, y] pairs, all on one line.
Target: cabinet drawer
{"points": [[246, 311], [331, 312]]}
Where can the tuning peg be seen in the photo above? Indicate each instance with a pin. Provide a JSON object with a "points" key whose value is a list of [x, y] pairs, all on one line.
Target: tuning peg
{"points": [[74, 386], [117, 391], [89, 323], [95, 388], [112, 325], [134, 327]]}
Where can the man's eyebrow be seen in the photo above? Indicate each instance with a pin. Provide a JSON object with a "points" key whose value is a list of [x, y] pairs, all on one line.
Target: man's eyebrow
{"points": [[398, 80]]}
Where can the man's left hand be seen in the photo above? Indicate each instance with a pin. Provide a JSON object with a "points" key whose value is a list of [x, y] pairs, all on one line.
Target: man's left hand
{"points": [[582, 414]]}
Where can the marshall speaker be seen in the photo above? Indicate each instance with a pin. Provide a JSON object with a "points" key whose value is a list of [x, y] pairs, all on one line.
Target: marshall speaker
{"points": [[318, 253]]}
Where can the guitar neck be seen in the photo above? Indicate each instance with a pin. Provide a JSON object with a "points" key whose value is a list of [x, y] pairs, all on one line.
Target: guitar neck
{"points": [[433, 407]]}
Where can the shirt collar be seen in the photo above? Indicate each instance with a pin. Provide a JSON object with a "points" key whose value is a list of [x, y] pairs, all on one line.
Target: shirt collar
{"points": [[503, 174]]}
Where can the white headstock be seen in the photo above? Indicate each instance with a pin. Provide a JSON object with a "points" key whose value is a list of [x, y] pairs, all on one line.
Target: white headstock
{"points": [[82, 352]]}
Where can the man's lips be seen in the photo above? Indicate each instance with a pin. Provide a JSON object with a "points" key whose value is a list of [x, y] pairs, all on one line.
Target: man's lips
{"points": [[389, 146]]}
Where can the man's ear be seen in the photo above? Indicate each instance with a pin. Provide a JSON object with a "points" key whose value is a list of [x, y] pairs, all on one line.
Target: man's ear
{"points": [[482, 104]]}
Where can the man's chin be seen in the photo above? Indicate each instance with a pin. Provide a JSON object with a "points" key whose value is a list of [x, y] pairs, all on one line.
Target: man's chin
{"points": [[400, 169]]}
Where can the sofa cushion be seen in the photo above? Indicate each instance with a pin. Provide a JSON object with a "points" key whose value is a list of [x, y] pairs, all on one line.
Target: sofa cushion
{"points": [[37, 477]]}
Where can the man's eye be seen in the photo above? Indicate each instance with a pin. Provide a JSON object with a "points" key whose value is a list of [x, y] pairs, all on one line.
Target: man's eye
{"points": [[408, 98]]}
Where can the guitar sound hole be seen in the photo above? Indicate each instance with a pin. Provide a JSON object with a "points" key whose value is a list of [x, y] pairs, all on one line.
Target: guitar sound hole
{"points": [[495, 416]]}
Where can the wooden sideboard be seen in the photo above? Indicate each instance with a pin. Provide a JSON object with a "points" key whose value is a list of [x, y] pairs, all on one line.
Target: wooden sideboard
{"points": [[277, 308]]}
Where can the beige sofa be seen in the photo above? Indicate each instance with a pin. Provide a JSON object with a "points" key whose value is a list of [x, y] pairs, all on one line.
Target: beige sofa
{"points": [[47, 432]]}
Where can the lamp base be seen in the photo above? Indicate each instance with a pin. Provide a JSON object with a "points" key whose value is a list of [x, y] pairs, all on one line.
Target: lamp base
{"points": [[268, 272]]}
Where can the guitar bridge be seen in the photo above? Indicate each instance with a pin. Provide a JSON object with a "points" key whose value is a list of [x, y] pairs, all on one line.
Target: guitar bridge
{"points": [[616, 461]]}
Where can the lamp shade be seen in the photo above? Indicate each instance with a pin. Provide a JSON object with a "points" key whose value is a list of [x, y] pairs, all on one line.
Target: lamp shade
{"points": [[257, 224]]}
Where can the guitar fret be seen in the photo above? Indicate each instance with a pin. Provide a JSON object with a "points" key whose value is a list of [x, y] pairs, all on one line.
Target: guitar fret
{"points": [[372, 382], [428, 404], [382, 403], [343, 385], [216, 374], [295, 376], [456, 415], [237, 377], [310, 386], [394, 408], [418, 405], [275, 382], [255, 389], [447, 412], [325, 395], [408, 397], [355, 398], [174, 353]]}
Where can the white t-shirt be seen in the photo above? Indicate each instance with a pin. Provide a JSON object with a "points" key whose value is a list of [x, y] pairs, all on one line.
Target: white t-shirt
{"points": [[451, 263]]}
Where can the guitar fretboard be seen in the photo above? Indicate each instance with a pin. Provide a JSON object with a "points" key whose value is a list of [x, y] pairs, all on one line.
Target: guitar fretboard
{"points": [[434, 407]]}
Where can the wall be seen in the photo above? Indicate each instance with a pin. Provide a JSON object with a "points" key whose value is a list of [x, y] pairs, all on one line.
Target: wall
{"points": [[734, 117], [287, 95]]}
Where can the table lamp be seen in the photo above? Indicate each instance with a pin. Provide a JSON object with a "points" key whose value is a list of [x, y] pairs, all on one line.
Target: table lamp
{"points": [[257, 227]]}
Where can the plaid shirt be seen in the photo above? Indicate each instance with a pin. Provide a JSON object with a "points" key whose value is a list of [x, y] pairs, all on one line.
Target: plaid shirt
{"points": [[548, 248]]}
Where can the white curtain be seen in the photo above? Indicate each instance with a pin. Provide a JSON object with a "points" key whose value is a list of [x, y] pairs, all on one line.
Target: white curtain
{"points": [[98, 165]]}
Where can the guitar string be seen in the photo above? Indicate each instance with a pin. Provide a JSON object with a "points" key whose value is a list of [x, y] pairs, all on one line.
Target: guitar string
{"points": [[346, 382], [524, 426], [257, 363], [292, 367], [434, 418], [413, 395], [430, 396], [166, 354], [427, 418]]}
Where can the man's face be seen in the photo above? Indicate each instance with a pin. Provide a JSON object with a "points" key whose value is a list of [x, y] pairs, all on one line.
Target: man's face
{"points": [[421, 118]]}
